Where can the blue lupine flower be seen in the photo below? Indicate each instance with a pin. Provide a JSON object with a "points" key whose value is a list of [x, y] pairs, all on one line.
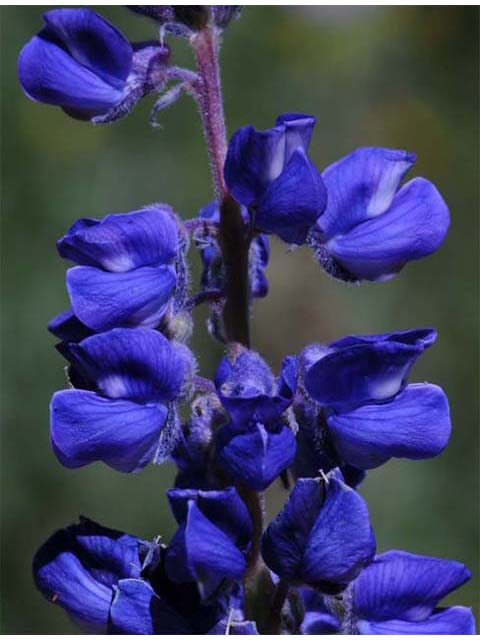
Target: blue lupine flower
{"points": [[318, 619], [256, 445], [399, 594], [135, 373], [78, 568], [127, 274], [371, 228], [269, 172], [212, 275], [212, 540], [371, 413], [83, 64], [322, 537]]}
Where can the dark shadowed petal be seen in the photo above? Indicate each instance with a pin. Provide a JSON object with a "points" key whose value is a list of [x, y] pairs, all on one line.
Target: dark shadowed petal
{"points": [[257, 457], [85, 427], [104, 300], [404, 585], [78, 566], [67, 327], [202, 552], [135, 364], [254, 159], [362, 185], [317, 619], [415, 425], [341, 542], [293, 201], [49, 74], [92, 42], [137, 610], [361, 373], [225, 509], [123, 241], [451, 621], [284, 541], [414, 226]]}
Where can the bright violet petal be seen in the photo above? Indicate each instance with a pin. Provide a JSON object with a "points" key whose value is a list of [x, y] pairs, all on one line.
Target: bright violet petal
{"points": [[293, 201], [407, 586], [415, 425], [135, 364], [49, 74], [457, 621], [414, 226], [104, 300], [362, 185], [86, 427], [123, 241], [341, 542], [137, 610]]}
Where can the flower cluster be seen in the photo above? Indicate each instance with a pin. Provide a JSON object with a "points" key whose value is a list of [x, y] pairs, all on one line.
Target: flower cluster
{"points": [[333, 413]]}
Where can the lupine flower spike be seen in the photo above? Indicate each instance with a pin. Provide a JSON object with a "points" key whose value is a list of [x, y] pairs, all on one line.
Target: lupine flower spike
{"points": [[311, 430]]}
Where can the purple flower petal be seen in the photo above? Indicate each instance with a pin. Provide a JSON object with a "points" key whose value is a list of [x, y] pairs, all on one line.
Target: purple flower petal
{"points": [[224, 508], [362, 185], [91, 41], [405, 586], [78, 567], [294, 200], [414, 226], [286, 537], [361, 373], [104, 300], [415, 425], [257, 457], [134, 364], [254, 159], [123, 241], [85, 428], [341, 542], [202, 552], [78, 61], [452, 621]]}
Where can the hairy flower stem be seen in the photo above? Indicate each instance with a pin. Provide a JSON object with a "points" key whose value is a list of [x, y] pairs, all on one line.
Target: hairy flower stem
{"points": [[206, 44], [234, 240]]}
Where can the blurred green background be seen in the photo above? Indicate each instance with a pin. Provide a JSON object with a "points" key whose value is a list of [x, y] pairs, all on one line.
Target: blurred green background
{"points": [[392, 76]]}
